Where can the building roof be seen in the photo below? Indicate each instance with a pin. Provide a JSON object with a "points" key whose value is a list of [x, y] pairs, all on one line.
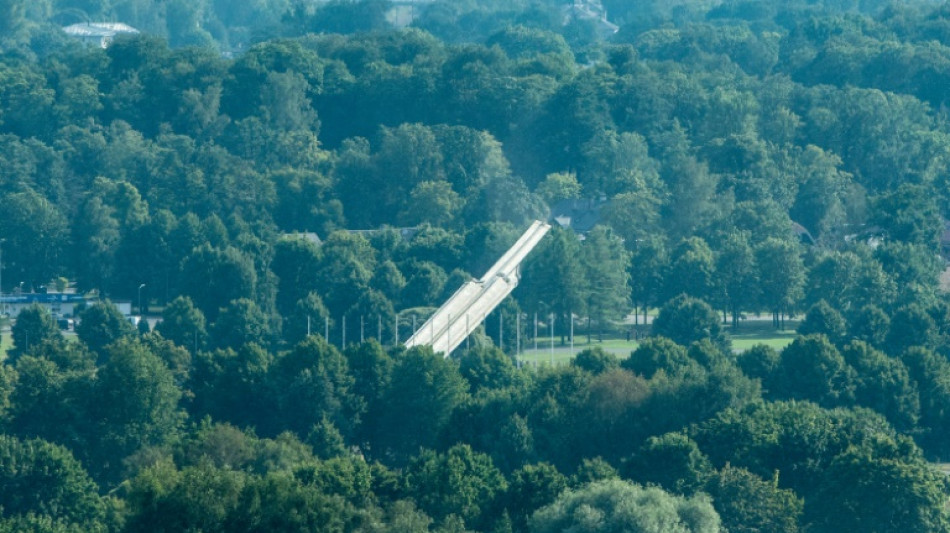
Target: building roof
{"points": [[592, 10], [100, 30], [39, 298], [305, 235], [581, 215]]}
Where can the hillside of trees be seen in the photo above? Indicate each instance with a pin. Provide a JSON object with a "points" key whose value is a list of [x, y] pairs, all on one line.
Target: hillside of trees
{"points": [[743, 156]]}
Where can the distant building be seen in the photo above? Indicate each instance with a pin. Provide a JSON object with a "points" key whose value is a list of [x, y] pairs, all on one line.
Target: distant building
{"points": [[98, 34], [590, 10], [581, 215], [305, 235], [59, 304], [406, 233]]}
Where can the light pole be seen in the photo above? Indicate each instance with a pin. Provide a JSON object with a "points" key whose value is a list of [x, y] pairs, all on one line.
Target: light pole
{"points": [[140, 297]]}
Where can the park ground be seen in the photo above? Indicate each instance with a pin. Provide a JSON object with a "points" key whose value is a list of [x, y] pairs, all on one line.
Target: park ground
{"points": [[751, 332]]}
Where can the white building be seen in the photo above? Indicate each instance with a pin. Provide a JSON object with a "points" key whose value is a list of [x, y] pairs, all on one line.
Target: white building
{"points": [[98, 33], [59, 304]]}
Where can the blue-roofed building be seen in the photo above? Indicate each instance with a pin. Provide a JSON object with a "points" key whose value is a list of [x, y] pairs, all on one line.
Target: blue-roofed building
{"points": [[59, 304]]}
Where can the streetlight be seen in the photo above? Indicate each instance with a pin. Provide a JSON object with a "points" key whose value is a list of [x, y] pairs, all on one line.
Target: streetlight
{"points": [[140, 297]]}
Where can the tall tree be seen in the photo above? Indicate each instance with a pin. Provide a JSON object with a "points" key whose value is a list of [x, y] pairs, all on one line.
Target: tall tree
{"points": [[184, 324], [46, 480], [35, 233], [424, 390], [648, 265], [909, 214], [460, 482], [135, 405], [101, 324], [295, 264], [240, 322], [736, 275], [686, 320], [34, 326], [782, 277], [212, 277], [776, 509], [607, 263], [811, 368], [692, 270], [312, 382], [555, 280]]}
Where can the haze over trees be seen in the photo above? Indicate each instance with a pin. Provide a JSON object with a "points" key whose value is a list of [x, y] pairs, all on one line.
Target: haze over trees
{"points": [[282, 175]]}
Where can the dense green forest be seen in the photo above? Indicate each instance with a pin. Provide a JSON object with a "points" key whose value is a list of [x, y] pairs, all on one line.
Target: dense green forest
{"points": [[737, 157]]}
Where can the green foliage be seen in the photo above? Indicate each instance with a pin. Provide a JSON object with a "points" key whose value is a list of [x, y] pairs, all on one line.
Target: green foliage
{"points": [[239, 323], [811, 368], [658, 354], [488, 368], [45, 479], [164, 498], [912, 326], [783, 275], [909, 214], [559, 186], [136, 404], [797, 439], [619, 505], [692, 270], [887, 486], [35, 232], [423, 391], [758, 362], [532, 487], [595, 360], [606, 262], [222, 380], [458, 482], [371, 368], [612, 397], [685, 320], [884, 385], [51, 402], [101, 324], [34, 326], [211, 276], [823, 319], [8, 380], [736, 270], [759, 157], [556, 279], [310, 382], [871, 325], [183, 324], [929, 371], [672, 462], [775, 509]]}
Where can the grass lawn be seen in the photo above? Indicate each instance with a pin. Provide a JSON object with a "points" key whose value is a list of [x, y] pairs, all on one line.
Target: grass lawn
{"points": [[562, 354], [749, 334], [7, 340], [775, 339], [752, 332]]}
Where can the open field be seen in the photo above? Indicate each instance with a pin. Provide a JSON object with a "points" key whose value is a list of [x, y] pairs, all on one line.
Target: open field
{"points": [[6, 340], [563, 354], [749, 334]]}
